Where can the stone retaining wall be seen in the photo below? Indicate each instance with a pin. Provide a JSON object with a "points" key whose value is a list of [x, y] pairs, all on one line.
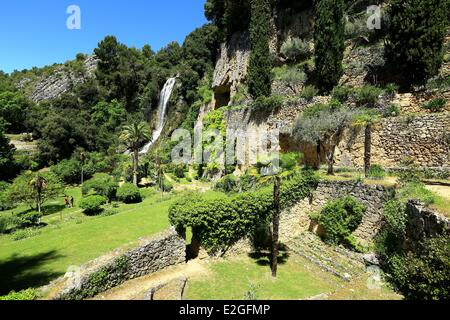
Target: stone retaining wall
{"points": [[424, 138], [296, 220], [151, 255], [423, 222]]}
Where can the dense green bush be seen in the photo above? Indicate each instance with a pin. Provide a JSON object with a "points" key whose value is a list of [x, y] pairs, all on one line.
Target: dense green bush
{"points": [[228, 183], [102, 184], [5, 202], [342, 93], [309, 92], [68, 171], [288, 161], [340, 218], [425, 273], [92, 205], [367, 96], [218, 223], [28, 294], [421, 271], [435, 105], [295, 49], [129, 193], [268, 103]]}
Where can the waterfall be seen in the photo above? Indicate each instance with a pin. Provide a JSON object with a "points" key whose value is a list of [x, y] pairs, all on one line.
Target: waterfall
{"points": [[162, 110]]}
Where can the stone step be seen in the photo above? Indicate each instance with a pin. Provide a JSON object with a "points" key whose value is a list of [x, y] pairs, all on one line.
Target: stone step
{"points": [[338, 261]]}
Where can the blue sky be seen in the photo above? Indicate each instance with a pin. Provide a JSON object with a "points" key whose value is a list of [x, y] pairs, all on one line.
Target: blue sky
{"points": [[34, 32]]}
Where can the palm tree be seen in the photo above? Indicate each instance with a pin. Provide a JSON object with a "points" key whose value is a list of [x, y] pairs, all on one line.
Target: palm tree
{"points": [[133, 136], [275, 224], [38, 183], [367, 120]]}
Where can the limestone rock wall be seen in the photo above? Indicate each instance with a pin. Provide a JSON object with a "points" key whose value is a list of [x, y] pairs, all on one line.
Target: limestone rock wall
{"points": [[232, 64], [423, 222], [151, 255]]}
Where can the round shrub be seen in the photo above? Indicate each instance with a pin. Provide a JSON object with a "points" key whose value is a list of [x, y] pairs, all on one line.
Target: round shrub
{"points": [[340, 218], [296, 49], [129, 193], [92, 205]]}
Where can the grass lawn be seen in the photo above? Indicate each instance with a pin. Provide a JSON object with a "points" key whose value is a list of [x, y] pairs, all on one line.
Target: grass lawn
{"points": [[233, 278], [73, 239]]}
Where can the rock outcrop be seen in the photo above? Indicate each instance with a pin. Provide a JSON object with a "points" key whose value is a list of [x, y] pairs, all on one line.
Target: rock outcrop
{"points": [[231, 67], [62, 80]]}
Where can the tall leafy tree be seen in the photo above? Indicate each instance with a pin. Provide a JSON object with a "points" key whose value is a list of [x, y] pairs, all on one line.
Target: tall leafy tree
{"points": [[7, 163], [13, 108], [329, 29], [414, 44], [260, 66], [133, 136]]}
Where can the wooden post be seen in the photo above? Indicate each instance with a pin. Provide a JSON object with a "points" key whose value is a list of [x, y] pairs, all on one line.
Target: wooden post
{"points": [[275, 225]]}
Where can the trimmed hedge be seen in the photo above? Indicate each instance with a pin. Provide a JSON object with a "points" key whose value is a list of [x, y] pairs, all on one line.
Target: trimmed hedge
{"points": [[220, 222]]}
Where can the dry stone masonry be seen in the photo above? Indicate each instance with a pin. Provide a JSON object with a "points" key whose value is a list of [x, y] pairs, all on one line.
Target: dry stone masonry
{"points": [[296, 220], [151, 255]]}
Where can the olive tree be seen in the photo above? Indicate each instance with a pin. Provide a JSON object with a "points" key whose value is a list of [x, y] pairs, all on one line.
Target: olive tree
{"points": [[322, 125]]}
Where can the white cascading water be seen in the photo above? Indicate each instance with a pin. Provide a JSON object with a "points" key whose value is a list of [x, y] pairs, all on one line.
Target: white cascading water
{"points": [[162, 110]]}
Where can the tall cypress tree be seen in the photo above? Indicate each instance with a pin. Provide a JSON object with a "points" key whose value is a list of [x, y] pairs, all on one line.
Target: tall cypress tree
{"points": [[415, 37], [329, 29], [260, 67]]}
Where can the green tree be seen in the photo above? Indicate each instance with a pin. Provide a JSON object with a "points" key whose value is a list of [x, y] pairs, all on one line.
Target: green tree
{"points": [[110, 115], [367, 120], [329, 30], [34, 189], [7, 163], [260, 66], [13, 108], [133, 136], [414, 45]]}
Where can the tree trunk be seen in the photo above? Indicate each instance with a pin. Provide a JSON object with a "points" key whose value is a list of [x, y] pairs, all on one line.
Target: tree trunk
{"points": [[367, 150], [330, 160], [38, 202], [135, 167], [318, 155], [275, 225]]}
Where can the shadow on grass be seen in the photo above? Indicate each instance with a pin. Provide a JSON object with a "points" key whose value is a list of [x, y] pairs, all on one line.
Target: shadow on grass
{"points": [[264, 257], [23, 272]]}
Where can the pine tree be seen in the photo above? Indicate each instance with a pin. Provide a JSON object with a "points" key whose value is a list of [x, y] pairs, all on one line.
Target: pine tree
{"points": [[329, 28], [415, 37], [260, 67]]}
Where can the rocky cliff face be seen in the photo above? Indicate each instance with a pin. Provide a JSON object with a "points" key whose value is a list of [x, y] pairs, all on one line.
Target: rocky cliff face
{"points": [[231, 67], [59, 82]]}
